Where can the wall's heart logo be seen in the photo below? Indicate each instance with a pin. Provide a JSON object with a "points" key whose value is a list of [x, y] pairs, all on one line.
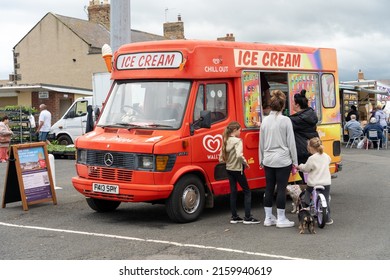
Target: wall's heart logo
{"points": [[217, 60], [212, 143]]}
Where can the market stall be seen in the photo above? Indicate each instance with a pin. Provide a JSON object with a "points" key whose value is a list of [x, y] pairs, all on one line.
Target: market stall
{"points": [[365, 96]]}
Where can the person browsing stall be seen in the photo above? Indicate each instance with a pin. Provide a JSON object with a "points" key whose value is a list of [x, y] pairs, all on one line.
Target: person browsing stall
{"points": [[5, 138], [380, 116], [277, 154], [44, 123], [353, 111]]}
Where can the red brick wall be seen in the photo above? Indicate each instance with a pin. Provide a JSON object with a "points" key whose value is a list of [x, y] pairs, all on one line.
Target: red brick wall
{"points": [[52, 103]]}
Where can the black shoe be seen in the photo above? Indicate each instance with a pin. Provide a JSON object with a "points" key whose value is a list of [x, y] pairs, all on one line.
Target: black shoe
{"points": [[235, 220], [251, 220]]}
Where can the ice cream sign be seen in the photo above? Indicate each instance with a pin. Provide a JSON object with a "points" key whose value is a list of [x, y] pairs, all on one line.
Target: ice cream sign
{"points": [[267, 59], [149, 60]]}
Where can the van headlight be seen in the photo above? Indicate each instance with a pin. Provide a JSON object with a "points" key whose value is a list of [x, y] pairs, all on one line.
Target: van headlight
{"points": [[82, 156], [159, 163], [145, 162]]}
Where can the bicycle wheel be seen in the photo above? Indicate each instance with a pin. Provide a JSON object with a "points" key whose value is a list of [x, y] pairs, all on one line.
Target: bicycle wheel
{"points": [[322, 211]]}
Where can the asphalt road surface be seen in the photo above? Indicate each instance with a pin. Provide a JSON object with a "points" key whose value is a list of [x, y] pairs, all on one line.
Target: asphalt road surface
{"points": [[71, 230]]}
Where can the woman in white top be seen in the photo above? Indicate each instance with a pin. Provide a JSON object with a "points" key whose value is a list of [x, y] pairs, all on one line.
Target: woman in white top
{"points": [[277, 155]]}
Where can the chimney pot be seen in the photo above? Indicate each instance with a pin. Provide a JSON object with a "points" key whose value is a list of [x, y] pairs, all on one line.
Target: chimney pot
{"points": [[99, 12], [360, 75]]}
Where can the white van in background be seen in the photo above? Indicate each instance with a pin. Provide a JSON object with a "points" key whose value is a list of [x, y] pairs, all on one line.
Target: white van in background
{"points": [[73, 123]]}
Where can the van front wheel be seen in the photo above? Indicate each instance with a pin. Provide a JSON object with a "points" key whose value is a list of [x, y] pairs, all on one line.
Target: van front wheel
{"points": [[187, 200], [64, 140]]}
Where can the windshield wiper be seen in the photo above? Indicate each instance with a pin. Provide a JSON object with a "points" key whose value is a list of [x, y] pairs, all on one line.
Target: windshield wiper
{"points": [[158, 125], [130, 125], [125, 125]]}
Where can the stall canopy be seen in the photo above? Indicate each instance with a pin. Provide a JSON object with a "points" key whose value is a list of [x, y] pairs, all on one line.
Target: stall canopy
{"points": [[383, 87], [379, 90], [8, 91]]}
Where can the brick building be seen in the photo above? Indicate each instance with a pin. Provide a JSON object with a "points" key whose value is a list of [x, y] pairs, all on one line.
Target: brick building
{"points": [[54, 62]]}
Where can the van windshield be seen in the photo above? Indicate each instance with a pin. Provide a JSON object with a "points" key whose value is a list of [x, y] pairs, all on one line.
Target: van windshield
{"points": [[146, 104]]}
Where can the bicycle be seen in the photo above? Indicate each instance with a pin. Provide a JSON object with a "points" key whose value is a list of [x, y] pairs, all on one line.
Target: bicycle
{"points": [[319, 206]]}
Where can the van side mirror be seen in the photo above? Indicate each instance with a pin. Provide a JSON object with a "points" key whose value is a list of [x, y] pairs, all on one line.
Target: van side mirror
{"points": [[205, 119], [203, 122]]}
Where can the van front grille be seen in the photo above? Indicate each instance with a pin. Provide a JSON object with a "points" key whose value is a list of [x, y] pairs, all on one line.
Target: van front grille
{"points": [[117, 159], [110, 174]]}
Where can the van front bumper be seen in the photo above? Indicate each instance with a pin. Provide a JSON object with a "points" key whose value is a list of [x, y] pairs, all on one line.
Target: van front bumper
{"points": [[127, 192]]}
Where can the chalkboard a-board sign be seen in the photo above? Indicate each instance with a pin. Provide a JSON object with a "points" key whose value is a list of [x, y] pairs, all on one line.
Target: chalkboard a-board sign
{"points": [[29, 177]]}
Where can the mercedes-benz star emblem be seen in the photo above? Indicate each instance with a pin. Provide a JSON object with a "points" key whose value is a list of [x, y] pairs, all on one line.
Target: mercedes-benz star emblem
{"points": [[108, 159]]}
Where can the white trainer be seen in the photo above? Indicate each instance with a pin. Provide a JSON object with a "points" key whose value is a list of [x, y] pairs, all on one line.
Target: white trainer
{"points": [[270, 221], [284, 223]]}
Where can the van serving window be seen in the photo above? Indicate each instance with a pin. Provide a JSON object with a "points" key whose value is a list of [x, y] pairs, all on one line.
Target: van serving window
{"points": [[328, 90]]}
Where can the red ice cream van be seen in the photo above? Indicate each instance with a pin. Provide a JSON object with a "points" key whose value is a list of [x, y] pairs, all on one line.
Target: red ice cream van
{"points": [[159, 134]]}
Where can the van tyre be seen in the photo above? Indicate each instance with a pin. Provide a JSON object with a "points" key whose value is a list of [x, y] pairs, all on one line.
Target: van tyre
{"points": [[187, 200], [101, 205], [64, 140]]}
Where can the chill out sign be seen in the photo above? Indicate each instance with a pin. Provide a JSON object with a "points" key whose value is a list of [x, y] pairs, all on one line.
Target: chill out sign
{"points": [[267, 59], [149, 60]]}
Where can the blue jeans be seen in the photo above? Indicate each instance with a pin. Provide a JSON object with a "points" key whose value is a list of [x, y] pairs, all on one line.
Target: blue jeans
{"points": [[234, 177], [43, 135], [276, 176]]}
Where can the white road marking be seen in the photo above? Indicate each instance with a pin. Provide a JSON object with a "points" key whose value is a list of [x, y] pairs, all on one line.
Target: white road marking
{"points": [[153, 241]]}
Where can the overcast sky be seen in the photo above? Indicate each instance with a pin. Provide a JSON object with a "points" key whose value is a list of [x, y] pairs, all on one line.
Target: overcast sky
{"points": [[359, 30]]}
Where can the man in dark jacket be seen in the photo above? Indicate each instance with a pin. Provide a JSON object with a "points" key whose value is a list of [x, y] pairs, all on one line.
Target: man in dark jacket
{"points": [[352, 112]]}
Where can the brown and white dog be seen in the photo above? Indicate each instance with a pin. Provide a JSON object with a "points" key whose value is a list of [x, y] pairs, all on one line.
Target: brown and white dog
{"points": [[306, 220], [294, 191]]}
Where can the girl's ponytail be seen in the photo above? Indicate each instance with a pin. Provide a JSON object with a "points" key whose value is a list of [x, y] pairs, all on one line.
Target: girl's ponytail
{"points": [[225, 136], [316, 144]]}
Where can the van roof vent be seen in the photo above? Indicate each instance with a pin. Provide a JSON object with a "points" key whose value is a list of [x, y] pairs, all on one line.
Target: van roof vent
{"points": [[143, 132]]}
